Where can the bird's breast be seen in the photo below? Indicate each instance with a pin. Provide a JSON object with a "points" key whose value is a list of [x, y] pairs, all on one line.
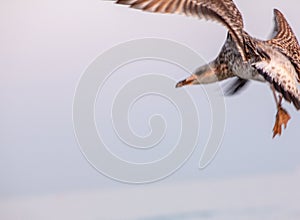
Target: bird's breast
{"points": [[246, 71]]}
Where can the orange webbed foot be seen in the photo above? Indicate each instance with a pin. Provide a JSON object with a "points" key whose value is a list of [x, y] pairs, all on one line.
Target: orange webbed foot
{"points": [[282, 119]]}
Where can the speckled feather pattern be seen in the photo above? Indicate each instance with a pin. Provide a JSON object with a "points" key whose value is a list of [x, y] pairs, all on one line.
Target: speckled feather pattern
{"points": [[222, 11], [276, 60], [281, 73], [285, 40], [278, 70], [229, 63]]}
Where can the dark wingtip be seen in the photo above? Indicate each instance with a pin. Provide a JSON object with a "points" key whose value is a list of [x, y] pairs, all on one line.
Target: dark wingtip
{"points": [[236, 87], [296, 103], [122, 2], [276, 11]]}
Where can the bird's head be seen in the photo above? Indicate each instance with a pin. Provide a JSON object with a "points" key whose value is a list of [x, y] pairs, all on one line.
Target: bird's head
{"points": [[203, 75]]}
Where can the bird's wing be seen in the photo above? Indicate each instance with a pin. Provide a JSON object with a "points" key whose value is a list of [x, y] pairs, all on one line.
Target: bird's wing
{"points": [[223, 11], [236, 86], [281, 74], [284, 39]]}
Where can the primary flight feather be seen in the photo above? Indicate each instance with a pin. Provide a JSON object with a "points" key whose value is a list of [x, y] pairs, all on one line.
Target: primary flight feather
{"points": [[276, 61]]}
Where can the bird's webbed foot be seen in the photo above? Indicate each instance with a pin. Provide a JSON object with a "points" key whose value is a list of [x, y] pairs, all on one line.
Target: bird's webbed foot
{"points": [[282, 119]]}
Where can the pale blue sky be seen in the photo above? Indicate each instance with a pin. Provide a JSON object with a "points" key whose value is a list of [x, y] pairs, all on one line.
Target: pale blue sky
{"points": [[47, 45]]}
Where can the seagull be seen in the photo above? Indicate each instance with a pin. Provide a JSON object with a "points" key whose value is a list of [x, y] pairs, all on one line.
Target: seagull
{"points": [[275, 61]]}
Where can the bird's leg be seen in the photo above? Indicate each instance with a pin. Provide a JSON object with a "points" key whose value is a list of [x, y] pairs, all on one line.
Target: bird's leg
{"points": [[282, 116], [275, 96]]}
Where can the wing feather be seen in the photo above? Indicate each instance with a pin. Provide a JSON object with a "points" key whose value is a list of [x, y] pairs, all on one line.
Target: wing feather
{"points": [[284, 39], [222, 11], [282, 75], [236, 86]]}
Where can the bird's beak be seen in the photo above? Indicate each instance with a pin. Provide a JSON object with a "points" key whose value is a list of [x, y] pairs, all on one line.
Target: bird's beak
{"points": [[188, 81]]}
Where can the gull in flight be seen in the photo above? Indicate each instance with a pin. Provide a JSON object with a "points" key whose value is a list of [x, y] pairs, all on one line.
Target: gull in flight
{"points": [[275, 61]]}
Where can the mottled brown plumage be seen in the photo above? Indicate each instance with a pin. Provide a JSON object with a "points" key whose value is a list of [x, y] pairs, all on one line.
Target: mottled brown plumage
{"points": [[276, 61], [284, 39], [222, 11]]}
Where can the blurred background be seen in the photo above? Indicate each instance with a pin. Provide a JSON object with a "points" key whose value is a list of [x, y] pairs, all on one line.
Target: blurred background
{"points": [[45, 46]]}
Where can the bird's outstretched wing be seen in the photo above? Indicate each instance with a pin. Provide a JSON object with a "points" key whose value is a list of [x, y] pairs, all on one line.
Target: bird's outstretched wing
{"points": [[284, 39], [223, 11]]}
